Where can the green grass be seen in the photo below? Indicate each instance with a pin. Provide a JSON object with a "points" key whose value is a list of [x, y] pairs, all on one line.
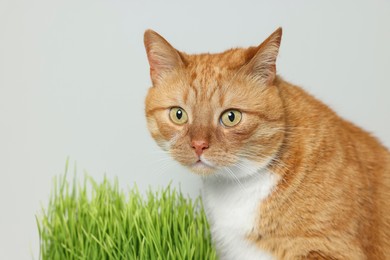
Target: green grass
{"points": [[91, 220]]}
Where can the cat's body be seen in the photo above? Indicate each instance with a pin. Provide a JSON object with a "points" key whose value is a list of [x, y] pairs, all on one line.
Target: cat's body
{"points": [[311, 211], [284, 176], [335, 193]]}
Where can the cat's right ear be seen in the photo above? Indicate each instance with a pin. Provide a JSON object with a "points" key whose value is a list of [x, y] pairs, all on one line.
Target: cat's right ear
{"points": [[262, 66], [162, 57]]}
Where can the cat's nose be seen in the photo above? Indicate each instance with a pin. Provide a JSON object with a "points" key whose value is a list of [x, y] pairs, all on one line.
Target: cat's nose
{"points": [[199, 146]]}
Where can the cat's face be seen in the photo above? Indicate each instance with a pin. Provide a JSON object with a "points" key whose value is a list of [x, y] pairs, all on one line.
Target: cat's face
{"points": [[215, 112]]}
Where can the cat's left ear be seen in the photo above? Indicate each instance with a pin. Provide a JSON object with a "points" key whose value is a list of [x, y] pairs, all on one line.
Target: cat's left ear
{"points": [[162, 57], [262, 65]]}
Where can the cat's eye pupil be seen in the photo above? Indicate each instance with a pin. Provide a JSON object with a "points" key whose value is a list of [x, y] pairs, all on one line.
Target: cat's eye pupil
{"points": [[231, 116], [179, 114]]}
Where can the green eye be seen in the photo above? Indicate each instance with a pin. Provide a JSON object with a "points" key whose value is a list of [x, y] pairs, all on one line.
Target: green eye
{"points": [[231, 118], [178, 115]]}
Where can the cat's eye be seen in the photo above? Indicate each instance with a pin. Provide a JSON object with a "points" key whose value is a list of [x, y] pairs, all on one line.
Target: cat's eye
{"points": [[178, 115], [231, 117]]}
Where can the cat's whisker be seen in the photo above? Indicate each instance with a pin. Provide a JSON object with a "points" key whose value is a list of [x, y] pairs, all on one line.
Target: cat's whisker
{"points": [[235, 178], [277, 163], [243, 166], [160, 160], [161, 153], [163, 167]]}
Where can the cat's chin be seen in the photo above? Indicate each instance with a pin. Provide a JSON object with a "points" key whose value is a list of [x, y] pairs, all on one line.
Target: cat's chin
{"points": [[202, 168]]}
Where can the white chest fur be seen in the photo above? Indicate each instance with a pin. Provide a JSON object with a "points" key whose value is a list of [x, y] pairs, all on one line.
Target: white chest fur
{"points": [[232, 208]]}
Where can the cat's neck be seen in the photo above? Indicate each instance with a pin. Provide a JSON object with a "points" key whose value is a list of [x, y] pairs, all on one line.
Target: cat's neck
{"points": [[308, 123], [232, 207]]}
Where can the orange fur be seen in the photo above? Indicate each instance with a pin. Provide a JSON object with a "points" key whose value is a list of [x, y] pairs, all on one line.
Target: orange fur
{"points": [[333, 197]]}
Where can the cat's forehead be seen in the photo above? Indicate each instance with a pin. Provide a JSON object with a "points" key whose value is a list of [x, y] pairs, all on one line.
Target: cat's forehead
{"points": [[227, 60], [209, 77], [212, 69]]}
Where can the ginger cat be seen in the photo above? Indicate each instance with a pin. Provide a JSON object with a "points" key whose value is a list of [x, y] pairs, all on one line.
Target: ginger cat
{"points": [[284, 176]]}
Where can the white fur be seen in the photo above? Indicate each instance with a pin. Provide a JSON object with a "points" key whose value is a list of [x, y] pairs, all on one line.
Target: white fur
{"points": [[232, 205]]}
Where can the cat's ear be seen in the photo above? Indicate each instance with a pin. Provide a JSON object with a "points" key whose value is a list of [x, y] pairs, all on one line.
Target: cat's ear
{"points": [[262, 65], [161, 55]]}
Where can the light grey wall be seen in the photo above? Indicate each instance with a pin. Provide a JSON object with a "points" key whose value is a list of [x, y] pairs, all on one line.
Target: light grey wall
{"points": [[73, 77]]}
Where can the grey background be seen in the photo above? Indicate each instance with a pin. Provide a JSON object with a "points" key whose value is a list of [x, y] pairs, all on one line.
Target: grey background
{"points": [[74, 74]]}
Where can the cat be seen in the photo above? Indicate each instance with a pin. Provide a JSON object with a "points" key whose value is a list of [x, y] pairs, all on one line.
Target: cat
{"points": [[283, 176]]}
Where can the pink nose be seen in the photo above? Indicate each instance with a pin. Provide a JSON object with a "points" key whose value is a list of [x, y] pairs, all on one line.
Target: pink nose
{"points": [[199, 146]]}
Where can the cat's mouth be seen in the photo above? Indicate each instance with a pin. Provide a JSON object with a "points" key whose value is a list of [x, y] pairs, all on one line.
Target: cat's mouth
{"points": [[202, 166], [200, 163]]}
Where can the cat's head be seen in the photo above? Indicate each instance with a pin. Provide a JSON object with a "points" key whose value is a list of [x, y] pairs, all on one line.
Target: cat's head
{"points": [[215, 112]]}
